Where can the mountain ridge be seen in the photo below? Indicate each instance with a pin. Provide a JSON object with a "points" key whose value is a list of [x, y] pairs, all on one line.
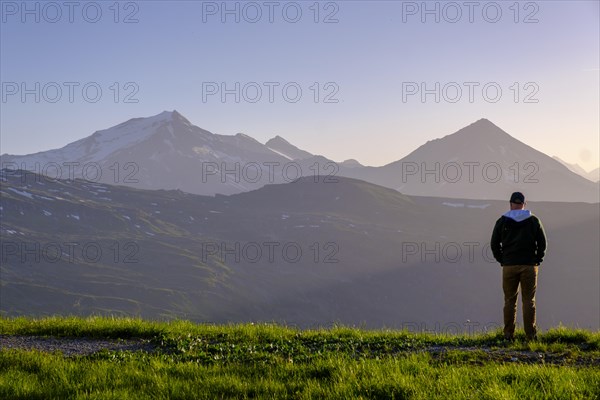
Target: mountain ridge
{"points": [[166, 151], [593, 175]]}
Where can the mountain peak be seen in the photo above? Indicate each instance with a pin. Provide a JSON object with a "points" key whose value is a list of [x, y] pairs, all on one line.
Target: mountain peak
{"points": [[286, 149], [176, 116], [277, 140], [168, 116], [351, 163], [482, 130], [247, 138], [483, 123]]}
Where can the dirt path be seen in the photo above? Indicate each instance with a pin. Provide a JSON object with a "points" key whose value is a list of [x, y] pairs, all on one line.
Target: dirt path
{"points": [[477, 355], [72, 346], [486, 354]]}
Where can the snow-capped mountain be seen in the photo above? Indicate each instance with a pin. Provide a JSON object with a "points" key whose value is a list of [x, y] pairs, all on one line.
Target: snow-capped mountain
{"points": [[164, 151], [103, 144]]}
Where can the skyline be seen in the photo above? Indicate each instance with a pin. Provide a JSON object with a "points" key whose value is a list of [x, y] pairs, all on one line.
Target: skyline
{"points": [[176, 56], [286, 139]]}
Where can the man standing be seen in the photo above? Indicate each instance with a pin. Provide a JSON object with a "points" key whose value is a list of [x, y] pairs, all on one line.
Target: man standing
{"points": [[519, 244]]}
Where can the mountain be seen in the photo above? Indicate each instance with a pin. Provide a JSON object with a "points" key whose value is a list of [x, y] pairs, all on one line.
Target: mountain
{"points": [[307, 253], [351, 163], [593, 175], [166, 151], [480, 161], [286, 149]]}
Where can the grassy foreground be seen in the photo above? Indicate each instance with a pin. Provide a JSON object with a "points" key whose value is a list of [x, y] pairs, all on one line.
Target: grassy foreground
{"points": [[198, 361]]}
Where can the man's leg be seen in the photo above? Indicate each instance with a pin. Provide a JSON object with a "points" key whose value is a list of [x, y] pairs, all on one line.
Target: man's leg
{"points": [[528, 288], [510, 286]]}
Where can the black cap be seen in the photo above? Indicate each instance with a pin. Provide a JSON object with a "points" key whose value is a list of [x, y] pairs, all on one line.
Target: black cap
{"points": [[517, 198]]}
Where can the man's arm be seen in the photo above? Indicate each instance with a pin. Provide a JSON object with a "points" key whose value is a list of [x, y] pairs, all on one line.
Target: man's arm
{"points": [[541, 242], [495, 243]]}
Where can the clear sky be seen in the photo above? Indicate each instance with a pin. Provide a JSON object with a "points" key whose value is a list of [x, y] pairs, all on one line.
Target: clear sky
{"points": [[369, 56]]}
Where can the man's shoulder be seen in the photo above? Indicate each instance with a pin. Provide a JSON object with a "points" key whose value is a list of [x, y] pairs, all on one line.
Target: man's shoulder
{"points": [[535, 219], [537, 223]]}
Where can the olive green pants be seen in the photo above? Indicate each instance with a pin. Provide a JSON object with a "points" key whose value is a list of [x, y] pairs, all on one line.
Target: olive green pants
{"points": [[526, 277]]}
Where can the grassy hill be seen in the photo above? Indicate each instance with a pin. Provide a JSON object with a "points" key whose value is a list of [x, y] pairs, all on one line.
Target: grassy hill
{"points": [[185, 360], [143, 253]]}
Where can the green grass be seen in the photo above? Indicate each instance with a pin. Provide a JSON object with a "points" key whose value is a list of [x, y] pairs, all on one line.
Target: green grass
{"points": [[198, 361]]}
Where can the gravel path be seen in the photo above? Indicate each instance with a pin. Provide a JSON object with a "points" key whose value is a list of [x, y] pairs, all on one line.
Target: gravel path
{"points": [[72, 346], [514, 356], [86, 346]]}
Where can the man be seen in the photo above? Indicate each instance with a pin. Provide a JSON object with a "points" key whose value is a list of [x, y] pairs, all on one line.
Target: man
{"points": [[519, 244]]}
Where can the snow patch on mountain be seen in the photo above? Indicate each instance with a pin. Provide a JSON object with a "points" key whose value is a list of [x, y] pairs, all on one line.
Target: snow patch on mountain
{"points": [[102, 143], [280, 153], [22, 193], [453, 204]]}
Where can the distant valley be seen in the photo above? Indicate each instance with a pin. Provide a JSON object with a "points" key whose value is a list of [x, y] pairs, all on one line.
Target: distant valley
{"points": [[311, 252]]}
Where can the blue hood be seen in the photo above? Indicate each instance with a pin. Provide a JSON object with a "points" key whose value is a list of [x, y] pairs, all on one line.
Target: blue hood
{"points": [[518, 215]]}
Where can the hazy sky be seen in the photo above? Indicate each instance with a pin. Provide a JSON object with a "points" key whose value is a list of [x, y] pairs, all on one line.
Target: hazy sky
{"points": [[358, 68]]}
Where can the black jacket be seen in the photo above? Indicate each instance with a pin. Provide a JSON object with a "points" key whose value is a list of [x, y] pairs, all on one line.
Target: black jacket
{"points": [[518, 243]]}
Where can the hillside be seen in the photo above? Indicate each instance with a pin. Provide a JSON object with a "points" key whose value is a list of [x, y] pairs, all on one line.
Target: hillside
{"points": [[303, 253]]}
